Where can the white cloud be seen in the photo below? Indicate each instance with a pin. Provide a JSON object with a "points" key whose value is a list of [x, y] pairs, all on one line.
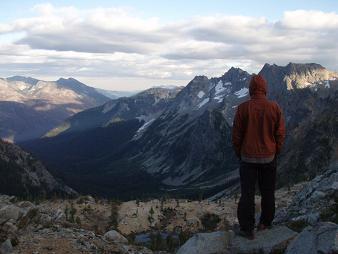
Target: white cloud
{"points": [[114, 43], [302, 19]]}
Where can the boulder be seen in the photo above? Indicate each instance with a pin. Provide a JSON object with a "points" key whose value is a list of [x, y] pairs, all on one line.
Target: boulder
{"points": [[207, 243], [322, 238], [114, 236], [9, 212], [266, 241], [6, 247]]}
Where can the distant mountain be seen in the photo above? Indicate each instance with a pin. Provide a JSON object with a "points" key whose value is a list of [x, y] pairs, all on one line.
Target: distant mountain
{"points": [[31, 107], [144, 106], [23, 175], [116, 94], [185, 148]]}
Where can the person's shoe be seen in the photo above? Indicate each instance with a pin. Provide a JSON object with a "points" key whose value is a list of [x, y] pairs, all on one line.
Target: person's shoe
{"points": [[247, 234], [262, 227]]}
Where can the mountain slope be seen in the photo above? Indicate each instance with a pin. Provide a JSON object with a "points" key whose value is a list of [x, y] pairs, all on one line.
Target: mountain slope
{"points": [[31, 107], [22, 175]]}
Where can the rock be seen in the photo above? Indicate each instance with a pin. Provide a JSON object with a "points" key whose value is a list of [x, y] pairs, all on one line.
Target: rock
{"points": [[29, 214], [267, 241], [10, 212], [134, 250], [205, 243], [114, 236], [322, 238], [311, 218], [59, 215], [6, 247], [316, 197], [9, 228]]}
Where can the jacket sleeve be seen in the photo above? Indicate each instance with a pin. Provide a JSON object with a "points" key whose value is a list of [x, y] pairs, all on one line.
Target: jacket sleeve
{"points": [[280, 131], [237, 133]]}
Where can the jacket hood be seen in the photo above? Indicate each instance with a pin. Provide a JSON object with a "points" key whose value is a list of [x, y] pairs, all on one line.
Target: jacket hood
{"points": [[258, 85]]}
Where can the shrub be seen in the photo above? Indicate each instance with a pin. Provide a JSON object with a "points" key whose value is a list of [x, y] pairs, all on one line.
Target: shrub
{"points": [[210, 221]]}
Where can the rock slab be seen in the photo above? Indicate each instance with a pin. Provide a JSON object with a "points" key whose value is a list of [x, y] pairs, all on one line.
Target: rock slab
{"points": [[266, 241], [207, 243]]}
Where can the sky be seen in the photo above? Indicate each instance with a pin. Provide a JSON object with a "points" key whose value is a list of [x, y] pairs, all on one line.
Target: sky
{"points": [[134, 44]]}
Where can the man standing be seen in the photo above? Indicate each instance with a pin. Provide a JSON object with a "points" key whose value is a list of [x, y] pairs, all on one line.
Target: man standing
{"points": [[258, 135]]}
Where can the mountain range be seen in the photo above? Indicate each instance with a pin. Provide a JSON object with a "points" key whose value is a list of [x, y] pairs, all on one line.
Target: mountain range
{"points": [[30, 107], [179, 140]]}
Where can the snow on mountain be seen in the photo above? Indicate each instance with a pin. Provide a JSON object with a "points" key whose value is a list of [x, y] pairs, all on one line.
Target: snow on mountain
{"points": [[201, 104], [200, 94], [242, 92]]}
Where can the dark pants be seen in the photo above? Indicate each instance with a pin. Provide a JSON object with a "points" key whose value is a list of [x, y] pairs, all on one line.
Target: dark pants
{"points": [[266, 176]]}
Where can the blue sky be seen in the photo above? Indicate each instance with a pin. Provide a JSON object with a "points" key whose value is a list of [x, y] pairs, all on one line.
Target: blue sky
{"points": [[170, 10], [134, 44]]}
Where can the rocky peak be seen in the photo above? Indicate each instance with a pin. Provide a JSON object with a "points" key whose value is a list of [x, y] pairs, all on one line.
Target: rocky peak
{"points": [[28, 80], [235, 74], [296, 76], [303, 68], [159, 92]]}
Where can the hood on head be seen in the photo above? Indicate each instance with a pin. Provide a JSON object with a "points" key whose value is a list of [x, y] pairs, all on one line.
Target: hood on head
{"points": [[258, 85]]}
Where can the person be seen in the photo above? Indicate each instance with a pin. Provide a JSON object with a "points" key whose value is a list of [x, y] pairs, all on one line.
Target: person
{"points": [[258, 135]]}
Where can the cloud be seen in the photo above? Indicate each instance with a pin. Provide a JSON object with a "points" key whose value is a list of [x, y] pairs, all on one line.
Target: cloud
{"points": [[115, 42]]}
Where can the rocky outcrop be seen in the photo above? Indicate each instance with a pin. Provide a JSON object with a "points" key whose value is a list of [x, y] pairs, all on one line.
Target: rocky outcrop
{"points": [[322, 238], [316, 201]]}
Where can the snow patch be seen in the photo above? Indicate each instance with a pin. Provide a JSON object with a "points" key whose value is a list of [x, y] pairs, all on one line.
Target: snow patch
{"points": [[145, 125], [242, 92], [327, 84], [200, 94], [219, 87], [201, 104], [220, 90]]}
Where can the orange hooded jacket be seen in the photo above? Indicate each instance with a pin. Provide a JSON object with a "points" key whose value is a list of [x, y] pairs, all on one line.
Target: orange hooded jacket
{"points": [[259, 126]]}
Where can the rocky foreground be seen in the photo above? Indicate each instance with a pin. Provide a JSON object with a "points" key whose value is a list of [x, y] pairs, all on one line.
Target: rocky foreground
{"points": [[306, 222]]}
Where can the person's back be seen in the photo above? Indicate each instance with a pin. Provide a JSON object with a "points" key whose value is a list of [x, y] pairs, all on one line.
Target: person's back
{"points": [[258, 134]]}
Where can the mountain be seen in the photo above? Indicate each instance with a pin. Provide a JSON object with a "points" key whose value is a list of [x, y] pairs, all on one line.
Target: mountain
{"points": [[31, 107], [22, 175], [116, 94], [144, 106], [185, 148]]}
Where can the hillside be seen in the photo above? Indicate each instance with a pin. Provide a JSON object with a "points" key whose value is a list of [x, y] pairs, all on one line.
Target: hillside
{"points": [[22, 175]]}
